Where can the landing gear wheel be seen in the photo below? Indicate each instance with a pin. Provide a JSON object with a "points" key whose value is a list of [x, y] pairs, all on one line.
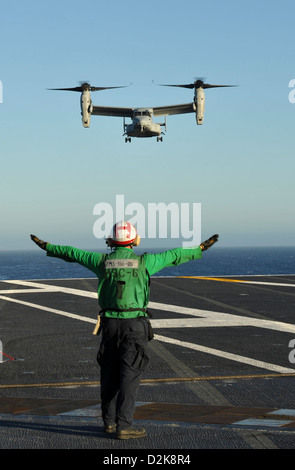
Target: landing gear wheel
{"points": [[127, 139]]}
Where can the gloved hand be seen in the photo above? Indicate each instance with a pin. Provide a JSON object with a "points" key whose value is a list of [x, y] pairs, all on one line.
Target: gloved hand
{"points": [[39, 242], [207, 243]]}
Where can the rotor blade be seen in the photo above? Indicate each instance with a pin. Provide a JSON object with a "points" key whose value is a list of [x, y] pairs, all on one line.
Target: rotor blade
{"points": [[206, 85], [94, 88], [86, 86], [77, 88], [191, 85], [199, 84]]}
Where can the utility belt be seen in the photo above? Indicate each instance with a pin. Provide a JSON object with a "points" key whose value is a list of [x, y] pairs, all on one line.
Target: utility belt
{"points": [[98, 325]]}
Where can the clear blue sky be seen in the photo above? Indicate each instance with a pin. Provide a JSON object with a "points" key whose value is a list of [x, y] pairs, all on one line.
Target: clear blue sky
{"points": [[239, 165]]}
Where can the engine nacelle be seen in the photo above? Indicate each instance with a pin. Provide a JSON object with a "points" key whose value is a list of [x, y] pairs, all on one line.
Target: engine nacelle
{"points": [[200, 104], [86, 108]]}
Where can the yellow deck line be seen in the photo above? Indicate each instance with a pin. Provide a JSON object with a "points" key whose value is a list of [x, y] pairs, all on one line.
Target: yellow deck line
{"points": [[144, 381], [212, 278]]}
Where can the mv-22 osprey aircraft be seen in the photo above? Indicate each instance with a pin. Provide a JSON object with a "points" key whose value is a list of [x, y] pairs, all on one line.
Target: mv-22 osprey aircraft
{"points": [[142, 118]]}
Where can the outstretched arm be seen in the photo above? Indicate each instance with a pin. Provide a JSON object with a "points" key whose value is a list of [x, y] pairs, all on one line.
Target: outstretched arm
{"points": [[158, 261], [87, 259]]}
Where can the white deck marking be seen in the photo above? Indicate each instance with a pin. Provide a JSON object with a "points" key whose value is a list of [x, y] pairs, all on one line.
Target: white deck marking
{"points": [[226, 355], [201, 318], [48, 309], [49, 288]]}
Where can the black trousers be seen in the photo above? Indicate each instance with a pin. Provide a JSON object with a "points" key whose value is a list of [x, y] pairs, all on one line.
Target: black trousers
{"points": [[122, 357]]}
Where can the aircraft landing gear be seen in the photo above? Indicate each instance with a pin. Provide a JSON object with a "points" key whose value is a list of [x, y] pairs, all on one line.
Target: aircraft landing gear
{"points": [[159, 139], [127, 139]]}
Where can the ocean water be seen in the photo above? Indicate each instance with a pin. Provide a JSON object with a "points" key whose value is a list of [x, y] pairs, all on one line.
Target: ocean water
{"points": [[215, 262]]}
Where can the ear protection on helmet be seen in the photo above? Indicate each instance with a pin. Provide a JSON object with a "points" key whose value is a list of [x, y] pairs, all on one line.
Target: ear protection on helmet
{"points": [[136, 241]]}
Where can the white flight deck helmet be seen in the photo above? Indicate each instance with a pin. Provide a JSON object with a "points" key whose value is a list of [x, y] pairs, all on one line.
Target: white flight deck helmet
{"points": [[123, 234]]}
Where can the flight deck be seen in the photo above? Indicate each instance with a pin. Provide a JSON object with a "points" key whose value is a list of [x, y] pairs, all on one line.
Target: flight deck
{"points": [[221, 373]]}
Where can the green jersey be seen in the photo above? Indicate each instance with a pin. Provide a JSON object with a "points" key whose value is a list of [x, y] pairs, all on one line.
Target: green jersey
{"points": [[123, 276]]}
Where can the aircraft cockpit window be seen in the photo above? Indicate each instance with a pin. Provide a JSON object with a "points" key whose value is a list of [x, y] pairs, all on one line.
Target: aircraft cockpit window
{"points": [[141, 113]]}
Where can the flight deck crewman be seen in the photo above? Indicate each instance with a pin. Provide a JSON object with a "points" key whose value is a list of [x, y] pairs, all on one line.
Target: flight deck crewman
{"points": [[123, 295]]}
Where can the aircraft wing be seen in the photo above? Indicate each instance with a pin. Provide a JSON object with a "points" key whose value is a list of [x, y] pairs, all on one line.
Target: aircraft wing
{"points": [[112, 111], [174, 109]]}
